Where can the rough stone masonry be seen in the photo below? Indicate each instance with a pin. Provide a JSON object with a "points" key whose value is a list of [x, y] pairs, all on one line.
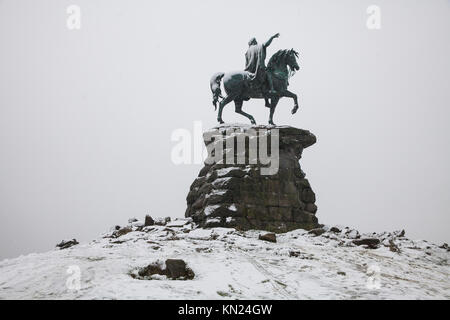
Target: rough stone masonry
{"points": [[240, 195]]}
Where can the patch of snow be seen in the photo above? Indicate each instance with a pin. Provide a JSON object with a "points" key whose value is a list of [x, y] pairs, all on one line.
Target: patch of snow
{"points": [[235, 265], [220, 181], [200, 234], [224, 171], [222, 231], [137, 224], [214, 192], [211, 222], [210, 209], [179, 222], [160, 220]]}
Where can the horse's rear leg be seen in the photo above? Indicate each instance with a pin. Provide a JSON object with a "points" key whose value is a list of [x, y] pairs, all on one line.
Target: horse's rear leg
{"points": [[222, 104], [238, 104]]}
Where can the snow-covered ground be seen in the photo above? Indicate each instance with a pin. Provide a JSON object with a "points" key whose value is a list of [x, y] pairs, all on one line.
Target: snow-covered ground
{"points": [[230, 264]]}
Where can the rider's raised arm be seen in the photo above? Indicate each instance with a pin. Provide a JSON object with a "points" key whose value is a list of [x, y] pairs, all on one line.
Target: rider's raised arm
{"points": [[270, 40]]}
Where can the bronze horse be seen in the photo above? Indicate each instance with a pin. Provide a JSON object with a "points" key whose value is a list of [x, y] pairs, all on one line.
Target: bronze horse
{"points": [[282, 65]]}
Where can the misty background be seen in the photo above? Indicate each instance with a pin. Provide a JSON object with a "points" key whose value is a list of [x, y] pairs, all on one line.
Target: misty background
{"points": [[86, 116]]}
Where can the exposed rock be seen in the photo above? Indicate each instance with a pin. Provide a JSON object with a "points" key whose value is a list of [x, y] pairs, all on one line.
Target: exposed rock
{"points": [[150, 270], [351, 233], [317, 231], [204, 250], [393, 247], [122, 231], [118, 241], [294, 253], [268, 237], [335, 229], [299, 262], [311, 207], [148, 221], [242, 194], [162, 221], [176, 269], [137, 224], [400, 233], [178, 222], [370, 243], [64, 244], [131, 220]]}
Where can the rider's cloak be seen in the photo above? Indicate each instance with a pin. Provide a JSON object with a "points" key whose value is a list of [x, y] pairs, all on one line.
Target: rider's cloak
{"points": [[255, 62]]}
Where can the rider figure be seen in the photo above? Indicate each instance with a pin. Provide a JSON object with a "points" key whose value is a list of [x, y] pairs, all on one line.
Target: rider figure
{"points": [[255, 62]]}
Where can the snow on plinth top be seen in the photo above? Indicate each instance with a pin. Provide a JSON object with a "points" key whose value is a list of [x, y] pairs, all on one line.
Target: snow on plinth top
{"points": [[288, 134]]}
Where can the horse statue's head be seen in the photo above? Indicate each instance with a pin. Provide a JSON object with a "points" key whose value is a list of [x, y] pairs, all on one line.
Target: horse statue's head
{"points": [[284, 58]]}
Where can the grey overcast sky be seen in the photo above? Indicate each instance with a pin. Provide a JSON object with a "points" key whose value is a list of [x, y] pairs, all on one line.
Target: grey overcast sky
{"points": [[86, 116]]}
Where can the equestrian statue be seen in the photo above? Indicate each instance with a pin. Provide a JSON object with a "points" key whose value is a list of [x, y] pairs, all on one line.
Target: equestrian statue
{"points": [[257, 81]]}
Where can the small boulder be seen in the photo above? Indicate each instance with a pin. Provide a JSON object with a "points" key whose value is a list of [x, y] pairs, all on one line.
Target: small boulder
{"points": [[150, 270], [178, 222], [137, 224], [177, 268], [393, 247], [122, 231], [64, 244], [294, 254], [371, 243], [271, 237], [162, 221], [317, 231], [352, 234], [400, 233], [148, 221], [335, 229]]}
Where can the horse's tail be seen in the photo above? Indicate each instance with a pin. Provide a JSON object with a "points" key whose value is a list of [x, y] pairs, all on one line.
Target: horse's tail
{"points": [[215, 87]]}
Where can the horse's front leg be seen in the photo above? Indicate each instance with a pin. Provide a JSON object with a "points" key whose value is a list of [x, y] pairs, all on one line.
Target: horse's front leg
{"points": [[272, 109], [292, 95]]}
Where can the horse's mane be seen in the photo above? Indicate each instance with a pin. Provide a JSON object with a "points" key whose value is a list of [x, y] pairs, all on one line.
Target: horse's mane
{"points": [[279, 56], [276, 57]]}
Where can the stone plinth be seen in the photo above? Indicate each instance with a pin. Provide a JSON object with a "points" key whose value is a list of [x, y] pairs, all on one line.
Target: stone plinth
{"points": [[229, 193]]}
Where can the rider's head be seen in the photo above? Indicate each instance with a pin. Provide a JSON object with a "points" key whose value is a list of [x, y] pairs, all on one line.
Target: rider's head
{"points": [[252, 41]]}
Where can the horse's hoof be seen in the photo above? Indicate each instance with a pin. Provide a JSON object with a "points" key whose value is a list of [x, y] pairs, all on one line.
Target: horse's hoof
{"points": [[294, 110], [271, 123], [253, 121], [220, 121]]}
